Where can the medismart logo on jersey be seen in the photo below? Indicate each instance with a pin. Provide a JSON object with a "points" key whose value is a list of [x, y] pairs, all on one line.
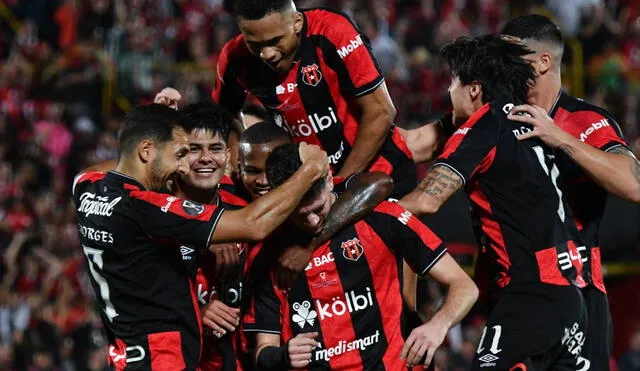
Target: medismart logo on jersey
{"points": [[593, 127], [316, 124], [347, 346], [90, 204], [349, 48]]}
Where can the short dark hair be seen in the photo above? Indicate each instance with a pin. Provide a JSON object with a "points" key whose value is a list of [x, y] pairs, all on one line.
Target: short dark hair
{"points": [[494, 62], [535, 27], [257, 9], [283, 162], [152, 121], [257, 111], [264, 132], [208, 116]]}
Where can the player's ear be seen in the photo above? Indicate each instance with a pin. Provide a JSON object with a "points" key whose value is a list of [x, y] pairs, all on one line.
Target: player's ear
{"points": [[475, 90], [544, 63], [298, 21], [146, 150]]}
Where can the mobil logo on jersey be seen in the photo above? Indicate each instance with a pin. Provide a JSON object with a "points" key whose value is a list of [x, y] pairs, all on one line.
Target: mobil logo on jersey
{"points": [[314, 124], [592, 128], [353, 44]]}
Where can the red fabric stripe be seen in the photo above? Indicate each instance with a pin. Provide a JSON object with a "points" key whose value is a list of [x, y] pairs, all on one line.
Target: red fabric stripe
{"points": [[492, 230], [328, 326], [381, 164], [518, 367], [399, 141], [166, 351], [92, 176], [426, 235], [196, 308], [231, 199], [456, 139], [596, 270], [118, 355], [174, 204], [548, 267], [387, 290], [486, 163]]}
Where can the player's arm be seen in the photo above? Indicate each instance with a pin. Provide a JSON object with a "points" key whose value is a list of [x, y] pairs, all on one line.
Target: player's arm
{"points": [[427, 141], [227, 92], [296, 353], [433, 191], [617, 171], [378, 114], [362, 193], [258, 219]]}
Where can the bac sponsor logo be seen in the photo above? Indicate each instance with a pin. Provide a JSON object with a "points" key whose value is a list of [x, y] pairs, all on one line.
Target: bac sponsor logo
{"points": [[315, 123], [346, 346], [319, 261], [90, 204], [288, 88], [349, 48], [311, 75], [192, 208], [95, 234], [592, 128], [352, 249]]}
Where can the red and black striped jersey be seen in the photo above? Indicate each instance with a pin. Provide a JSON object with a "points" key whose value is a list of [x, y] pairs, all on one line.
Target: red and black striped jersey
{"points": [[523, 223], [315, 101], [228, 352], [130, 237], [594, 126], [350, 292]]}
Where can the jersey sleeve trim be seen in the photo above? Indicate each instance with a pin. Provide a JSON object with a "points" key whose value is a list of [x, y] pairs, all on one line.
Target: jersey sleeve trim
{"points": [[368, 88], [441, 253], [249, 328], [613, 145], [216, 219], [443, 163]]}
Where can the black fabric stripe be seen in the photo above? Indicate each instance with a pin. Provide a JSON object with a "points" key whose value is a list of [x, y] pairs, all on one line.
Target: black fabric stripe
{"points": [[318, 102], [145, 363], [356, 277]]}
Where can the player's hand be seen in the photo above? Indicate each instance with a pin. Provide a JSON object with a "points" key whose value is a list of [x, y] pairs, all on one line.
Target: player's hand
{"points": [[423, 340], [168, 97], [227, 260], [314, 158], [543, 126], [220, 317], [292, 261], [300, 349]]}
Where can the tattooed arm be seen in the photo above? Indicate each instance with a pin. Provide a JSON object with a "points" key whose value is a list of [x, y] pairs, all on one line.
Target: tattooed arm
{"points": [[433, 191], [617, 170]]}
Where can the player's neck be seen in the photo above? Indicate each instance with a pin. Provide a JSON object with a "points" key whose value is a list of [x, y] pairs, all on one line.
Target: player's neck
{"points": [[133, 170], [546, 91], [204, 196]]}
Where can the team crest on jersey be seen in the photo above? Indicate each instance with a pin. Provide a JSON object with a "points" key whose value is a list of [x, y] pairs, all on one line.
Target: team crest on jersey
{"points": [[192, 208], [352, 249], [311, 75]]}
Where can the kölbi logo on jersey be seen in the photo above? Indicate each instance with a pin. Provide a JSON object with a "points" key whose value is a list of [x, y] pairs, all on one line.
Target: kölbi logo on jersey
{"points": [[90, 204], [352, 302], [315, 125]]}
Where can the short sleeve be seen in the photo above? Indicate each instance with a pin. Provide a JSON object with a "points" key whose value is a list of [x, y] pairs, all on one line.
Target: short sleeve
{"points": [[596, 128], [348, 52], [172, 220], [228, 92], [407, 236], [469, 149], [263, 314]]}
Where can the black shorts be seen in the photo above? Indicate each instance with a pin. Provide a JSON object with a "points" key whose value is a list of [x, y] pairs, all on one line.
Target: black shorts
{"points": [[540, 327], [161, 351], [596, 352]]}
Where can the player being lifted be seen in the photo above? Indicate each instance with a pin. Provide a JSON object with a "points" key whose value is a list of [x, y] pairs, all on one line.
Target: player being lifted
{"points": [[524, 227]]}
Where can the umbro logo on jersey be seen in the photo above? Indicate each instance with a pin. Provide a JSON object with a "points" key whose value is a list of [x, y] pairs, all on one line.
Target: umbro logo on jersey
{"points": [[352, 249], [186, 252], [304, 314], [311, 75]]}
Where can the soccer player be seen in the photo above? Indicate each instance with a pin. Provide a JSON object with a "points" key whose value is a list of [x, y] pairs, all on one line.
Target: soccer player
{"points": [[593, 159], [344, 312], [525, 229], [130, 228], [314, 70]]}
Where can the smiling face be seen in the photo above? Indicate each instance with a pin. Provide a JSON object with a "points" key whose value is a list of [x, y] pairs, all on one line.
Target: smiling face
{"points": [[253, 164], [168, 161], [274, 38], [207, 158]]}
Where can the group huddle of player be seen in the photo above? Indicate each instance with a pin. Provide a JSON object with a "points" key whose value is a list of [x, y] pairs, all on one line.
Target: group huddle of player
{"points": [[227, 244]]}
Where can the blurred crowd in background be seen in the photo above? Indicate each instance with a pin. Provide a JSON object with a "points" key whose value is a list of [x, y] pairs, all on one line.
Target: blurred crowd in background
{"points": [[71, 68]]}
